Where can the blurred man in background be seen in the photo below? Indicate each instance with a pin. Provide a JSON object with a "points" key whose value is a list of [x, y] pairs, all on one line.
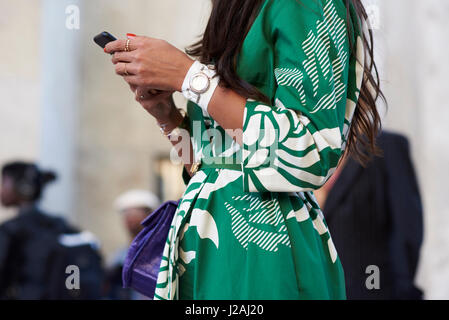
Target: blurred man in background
{"points": [[36, 248], [134, 206], [375, 216]]}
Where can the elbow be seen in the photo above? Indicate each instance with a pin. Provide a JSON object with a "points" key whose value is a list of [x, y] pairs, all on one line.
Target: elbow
{"points": [[328, 166], [282, 177], [279, 170]]}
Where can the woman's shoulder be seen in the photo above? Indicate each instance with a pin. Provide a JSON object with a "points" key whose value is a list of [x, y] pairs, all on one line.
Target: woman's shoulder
{"points": [[292, 14], [297, 7], [280, 10], [297, 18]]}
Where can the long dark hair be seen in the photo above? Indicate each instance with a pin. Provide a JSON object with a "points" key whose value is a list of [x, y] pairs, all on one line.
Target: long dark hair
{"points": [[221, 43]]}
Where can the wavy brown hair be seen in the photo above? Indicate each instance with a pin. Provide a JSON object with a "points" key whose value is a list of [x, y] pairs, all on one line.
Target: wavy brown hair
{"points": [[221, 43]]}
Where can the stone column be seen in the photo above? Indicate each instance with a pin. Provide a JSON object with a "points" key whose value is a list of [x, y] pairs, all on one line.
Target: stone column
{"points": [[19, 83], [60, 100], [416, 69], [432, 152]]}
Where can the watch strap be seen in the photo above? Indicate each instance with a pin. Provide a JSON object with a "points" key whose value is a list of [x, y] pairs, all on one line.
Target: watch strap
{"points": [[204, 98]]}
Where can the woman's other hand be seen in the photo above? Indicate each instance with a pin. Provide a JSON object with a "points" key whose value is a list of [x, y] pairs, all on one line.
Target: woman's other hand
{"points": [[160, 105], [150, 63]]}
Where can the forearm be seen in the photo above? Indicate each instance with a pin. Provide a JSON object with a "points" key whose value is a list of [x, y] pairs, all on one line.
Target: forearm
{"points": [[181, 143], [184, 144], [227, 108]]}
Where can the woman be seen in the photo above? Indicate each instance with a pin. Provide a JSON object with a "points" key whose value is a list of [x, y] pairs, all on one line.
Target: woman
{"points": [[274, 113]]}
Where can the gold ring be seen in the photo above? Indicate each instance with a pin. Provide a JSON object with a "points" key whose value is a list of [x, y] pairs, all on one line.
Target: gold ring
{"points": [[127, 45], [126, 71]]}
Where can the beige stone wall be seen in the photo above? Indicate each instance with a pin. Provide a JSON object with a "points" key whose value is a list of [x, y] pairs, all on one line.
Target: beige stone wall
{"points": [[19, 82]]}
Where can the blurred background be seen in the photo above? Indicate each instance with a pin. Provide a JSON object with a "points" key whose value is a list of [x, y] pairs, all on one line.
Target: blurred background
{"points": [[63, 106]]}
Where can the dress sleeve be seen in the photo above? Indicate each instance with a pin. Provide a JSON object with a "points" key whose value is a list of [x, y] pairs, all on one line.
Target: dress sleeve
{"points": [[295, 144]]}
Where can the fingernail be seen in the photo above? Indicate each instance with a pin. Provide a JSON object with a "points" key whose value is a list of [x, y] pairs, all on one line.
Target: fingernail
{"points": [[131, 35]]}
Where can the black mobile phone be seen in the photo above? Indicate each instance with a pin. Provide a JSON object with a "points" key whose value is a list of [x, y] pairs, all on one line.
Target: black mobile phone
{"points": [[104, 38]]}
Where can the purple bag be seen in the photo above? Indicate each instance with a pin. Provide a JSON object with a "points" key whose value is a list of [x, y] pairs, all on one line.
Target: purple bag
{"points": [[144, 256]]}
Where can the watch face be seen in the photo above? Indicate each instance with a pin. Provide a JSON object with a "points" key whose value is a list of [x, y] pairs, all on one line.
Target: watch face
{"points": [[199, 83]]}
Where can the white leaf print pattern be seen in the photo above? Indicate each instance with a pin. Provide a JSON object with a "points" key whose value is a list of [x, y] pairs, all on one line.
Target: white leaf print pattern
{"points": [[188, 256], [226, 177], [261, 213], [291, 78], [316, 48], [205, 225]]}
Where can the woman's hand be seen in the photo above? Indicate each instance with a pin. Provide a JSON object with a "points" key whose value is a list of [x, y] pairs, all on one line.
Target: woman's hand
{"points": [[160, 105], [150, 63]]}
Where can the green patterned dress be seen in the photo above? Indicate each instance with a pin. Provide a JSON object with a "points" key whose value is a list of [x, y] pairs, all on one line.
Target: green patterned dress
{"points": [[258, 232]]}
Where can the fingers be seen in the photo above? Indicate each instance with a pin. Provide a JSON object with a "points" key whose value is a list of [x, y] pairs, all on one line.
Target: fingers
{"points": [[143, 94], [147, 93], [122, 56], [125, 69], [134, 43], [143, 97], [120, 45], [133, 88], [132, 80]]}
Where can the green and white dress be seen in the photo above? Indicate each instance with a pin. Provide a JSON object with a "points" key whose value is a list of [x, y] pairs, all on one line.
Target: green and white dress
{"points": [[258, 232]]}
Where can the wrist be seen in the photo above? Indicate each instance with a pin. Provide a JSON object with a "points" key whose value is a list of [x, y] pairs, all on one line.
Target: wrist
{"points": [[182, 75], [200, 84], [170, 123]]}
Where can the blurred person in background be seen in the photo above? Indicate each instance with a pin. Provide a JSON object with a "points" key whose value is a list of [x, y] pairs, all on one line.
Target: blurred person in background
{"points": [[375, 215], [36, 248], [134, 206]]}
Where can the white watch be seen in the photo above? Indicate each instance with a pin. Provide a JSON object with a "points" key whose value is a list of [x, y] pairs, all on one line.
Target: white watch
{"points": [[200, 84]]}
